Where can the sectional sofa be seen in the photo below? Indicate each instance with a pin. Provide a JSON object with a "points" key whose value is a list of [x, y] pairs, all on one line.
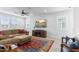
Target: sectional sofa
{"points": [[25, 42], [11, 33]]}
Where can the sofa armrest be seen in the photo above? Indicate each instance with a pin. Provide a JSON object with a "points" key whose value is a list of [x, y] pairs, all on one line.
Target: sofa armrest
{"points": [[71, 49]]}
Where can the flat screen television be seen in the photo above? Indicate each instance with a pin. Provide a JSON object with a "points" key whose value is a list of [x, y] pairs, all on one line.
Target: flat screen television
{"points": [[41, 23]]}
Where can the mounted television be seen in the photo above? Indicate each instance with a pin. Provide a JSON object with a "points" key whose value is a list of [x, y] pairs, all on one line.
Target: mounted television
{"points": [[41, 23]]}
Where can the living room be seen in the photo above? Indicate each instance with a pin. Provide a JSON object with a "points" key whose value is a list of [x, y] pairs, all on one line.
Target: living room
{"points": [[37, 29]]}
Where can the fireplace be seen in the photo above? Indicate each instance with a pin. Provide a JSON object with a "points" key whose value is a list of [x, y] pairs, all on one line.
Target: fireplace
{"points": [[39, 33]]}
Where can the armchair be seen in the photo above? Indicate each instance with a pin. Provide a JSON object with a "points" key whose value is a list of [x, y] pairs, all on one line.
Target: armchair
{"points": [[65, 45]]}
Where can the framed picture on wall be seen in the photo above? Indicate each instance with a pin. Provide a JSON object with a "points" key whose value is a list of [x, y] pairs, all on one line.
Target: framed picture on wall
{"points": [[42, 23]]}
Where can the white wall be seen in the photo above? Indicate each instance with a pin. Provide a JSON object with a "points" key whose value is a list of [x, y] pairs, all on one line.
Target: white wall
{"points": [[51, 23], [52, 30], [76, 21]]}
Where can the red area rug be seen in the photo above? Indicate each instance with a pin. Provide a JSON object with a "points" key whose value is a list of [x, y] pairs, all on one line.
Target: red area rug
{"points": [[32, 44]]}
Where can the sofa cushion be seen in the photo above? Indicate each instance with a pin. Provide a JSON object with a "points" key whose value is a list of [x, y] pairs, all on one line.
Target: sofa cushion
{"points": [[17, 40], [22, 31], [1, 33], [3, 37], [14, 31], [7, 32], [10, 32], [24, 40]]}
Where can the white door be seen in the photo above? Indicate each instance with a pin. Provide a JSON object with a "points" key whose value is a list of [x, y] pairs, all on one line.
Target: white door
{"points": [[61, 25]]}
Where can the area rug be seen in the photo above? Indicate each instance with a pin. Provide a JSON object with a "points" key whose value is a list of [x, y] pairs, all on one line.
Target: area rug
{"points": [[34, 45]]}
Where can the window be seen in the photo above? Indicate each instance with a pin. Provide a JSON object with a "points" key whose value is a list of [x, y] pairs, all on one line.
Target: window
{"points": [[4, 21], [10, 22]]}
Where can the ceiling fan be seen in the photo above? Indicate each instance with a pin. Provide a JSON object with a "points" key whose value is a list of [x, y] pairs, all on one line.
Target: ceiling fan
{"points": [[24, 12]]}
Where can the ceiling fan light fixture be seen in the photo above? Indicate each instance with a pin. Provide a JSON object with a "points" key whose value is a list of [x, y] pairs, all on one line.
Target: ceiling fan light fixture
{"points": [[23, 12]]}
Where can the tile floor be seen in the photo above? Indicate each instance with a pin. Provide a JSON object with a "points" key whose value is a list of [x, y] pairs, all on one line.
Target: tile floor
{"points": [[56, 45]]}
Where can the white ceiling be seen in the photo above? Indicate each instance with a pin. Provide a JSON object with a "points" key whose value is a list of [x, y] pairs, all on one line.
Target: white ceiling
{"points": [[34, 10], [40, 10]]}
